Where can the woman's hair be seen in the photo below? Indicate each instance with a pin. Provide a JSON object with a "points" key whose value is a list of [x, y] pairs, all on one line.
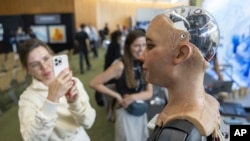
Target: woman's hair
{"points": [[115, 35], [27, 46], [128, 57]]}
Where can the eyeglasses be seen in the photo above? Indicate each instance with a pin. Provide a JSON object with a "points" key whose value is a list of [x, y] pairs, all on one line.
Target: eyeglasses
{"points": [[38, 64]]}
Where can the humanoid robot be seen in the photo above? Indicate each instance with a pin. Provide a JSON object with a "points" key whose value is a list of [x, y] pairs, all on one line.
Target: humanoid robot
{"points": [[183, 40]]}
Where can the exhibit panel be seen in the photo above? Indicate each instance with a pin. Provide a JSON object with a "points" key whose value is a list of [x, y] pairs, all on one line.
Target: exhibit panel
{"points": [[54, 28]]}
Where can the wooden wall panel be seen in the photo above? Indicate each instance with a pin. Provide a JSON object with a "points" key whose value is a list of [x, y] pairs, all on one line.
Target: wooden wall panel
{"points": [[119, 11], [15, 7], [85, 12], [96, 12]]}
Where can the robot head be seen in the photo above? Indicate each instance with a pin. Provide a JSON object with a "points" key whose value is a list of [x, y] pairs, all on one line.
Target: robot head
{"points": [[201, 26]]}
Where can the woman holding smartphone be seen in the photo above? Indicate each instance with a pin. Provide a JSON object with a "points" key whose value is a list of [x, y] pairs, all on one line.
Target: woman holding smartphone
{"points": [[51, 108]]}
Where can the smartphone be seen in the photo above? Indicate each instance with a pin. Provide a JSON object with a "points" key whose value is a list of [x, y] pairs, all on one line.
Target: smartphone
{"points": [[60, 62]]}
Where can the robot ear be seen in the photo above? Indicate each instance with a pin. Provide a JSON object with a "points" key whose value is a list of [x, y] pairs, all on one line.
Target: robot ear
{"points": [[183, 51]]}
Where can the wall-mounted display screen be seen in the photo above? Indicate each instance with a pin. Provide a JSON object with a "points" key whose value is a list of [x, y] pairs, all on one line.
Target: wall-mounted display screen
{"points": [[41, 32]]}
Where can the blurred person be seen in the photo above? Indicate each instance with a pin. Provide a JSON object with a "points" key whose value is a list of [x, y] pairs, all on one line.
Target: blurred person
{"points": [[212, 74], [114, 49], [20, 36], [125, 30], [113, 53], [51, 108], [106, 30], [83, 42], [217, 68], [131, 90], [119, 28], [93, 40], [182, 41], [31, 33], [105, 36]]}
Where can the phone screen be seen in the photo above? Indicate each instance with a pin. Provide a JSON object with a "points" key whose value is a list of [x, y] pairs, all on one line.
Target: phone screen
{"points": [[60, 62]]}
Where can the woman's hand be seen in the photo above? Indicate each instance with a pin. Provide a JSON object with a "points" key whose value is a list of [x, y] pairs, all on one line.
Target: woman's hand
{"points": [[118, 102], [127, 100], [72, 94], [60, 85]]}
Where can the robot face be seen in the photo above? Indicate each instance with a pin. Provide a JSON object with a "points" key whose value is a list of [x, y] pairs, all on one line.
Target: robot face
{"points": [[201, 26]]}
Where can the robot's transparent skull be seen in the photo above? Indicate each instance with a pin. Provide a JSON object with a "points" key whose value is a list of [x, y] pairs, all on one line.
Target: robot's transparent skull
{"points": [[201, 26]]}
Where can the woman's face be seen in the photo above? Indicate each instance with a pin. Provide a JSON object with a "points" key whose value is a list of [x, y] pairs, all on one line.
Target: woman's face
{"points": [[40, 64], [137, 47], [158, 57]]}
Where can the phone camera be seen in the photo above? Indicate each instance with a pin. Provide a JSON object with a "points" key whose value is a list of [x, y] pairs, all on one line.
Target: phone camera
{"points": [[58, 62]]}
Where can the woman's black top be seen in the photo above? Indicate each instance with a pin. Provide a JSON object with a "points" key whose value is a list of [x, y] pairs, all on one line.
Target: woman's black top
{"points": [[121, 85]]}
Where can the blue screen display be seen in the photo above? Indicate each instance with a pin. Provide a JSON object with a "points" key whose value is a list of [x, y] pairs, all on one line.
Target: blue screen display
{"points": [[233, 19]]}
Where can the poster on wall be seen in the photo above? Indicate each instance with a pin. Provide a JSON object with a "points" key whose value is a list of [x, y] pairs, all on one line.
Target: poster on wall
{"points": [[1, 32], [41, 32], [57, 34], [234, 24]]}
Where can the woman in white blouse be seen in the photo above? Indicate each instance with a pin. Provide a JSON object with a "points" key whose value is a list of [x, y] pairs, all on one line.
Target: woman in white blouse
{"points": [[46, 112]]}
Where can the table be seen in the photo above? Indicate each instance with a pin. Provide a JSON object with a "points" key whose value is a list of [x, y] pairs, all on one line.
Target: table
{"points": [[245, 101]]}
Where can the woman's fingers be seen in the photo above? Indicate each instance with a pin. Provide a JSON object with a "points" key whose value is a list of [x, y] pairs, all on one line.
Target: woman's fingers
{"points": [[127, 100], [62, 84], [65, 78], [73, 93], [66, 74]]}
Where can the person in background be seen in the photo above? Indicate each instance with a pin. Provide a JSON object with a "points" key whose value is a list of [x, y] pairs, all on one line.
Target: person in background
{"points": [[113, 52], [21, 36], [212, 75], [182, 41], [114, 49], [125, 30], [83, 43], [131, 88], [93, 40], [105, 36], [217, 68], [118, 28], [106, 30], [51, 108], [31, 33]]}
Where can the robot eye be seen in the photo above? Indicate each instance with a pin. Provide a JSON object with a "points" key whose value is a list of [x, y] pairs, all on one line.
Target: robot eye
{"points": [[183, 36]]}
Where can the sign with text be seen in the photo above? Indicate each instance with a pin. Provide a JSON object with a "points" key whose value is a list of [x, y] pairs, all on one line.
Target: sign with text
{"points": [[48, 19]]}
